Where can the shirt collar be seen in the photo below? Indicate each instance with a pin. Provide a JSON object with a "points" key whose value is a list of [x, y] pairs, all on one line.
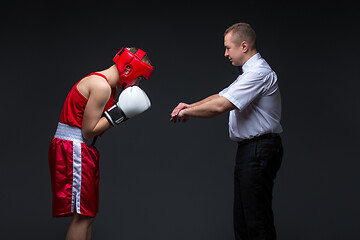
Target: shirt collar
{"points": [[249, 63]]}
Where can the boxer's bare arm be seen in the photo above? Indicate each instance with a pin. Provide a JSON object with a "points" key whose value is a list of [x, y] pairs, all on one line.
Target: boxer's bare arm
{"points": [[99, 93]]}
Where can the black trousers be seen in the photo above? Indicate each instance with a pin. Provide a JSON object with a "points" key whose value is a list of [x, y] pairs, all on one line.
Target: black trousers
{"points": [[257, 162]]}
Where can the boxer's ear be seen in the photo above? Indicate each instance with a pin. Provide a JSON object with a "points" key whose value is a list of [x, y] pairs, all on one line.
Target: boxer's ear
{"points": [[127, 69]]}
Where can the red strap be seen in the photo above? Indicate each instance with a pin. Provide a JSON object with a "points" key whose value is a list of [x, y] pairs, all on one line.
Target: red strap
{"points": [[98, 74], [140, 53]]}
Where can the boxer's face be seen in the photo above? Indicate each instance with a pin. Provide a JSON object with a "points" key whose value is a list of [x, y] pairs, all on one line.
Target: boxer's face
{"points": [[233, 51], [136, 82]]}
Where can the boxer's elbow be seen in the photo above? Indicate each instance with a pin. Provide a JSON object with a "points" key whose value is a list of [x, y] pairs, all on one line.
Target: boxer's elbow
{"points": [[88, 134], [88, 131]]}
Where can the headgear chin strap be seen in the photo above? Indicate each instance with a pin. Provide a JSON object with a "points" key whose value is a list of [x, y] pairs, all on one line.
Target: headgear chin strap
{"points": [[126, 59]]}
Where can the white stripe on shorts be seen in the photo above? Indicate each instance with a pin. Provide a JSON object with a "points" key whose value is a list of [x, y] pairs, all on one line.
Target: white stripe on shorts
{"points": [[76, 186]]}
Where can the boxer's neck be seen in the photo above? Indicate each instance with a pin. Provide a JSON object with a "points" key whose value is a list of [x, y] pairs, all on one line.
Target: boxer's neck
{"points": [[112, 75]]}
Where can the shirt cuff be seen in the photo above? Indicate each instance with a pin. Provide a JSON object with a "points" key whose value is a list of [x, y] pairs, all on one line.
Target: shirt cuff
{"points": [[231, 99]]}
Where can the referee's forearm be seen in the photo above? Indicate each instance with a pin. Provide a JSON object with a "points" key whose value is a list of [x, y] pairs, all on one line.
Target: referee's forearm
{"points": [[215, 106], [202, 111], [211, 97]]}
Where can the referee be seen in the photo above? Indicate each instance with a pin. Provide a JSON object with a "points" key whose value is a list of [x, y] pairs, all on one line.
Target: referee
{"points": [[254, 103]]}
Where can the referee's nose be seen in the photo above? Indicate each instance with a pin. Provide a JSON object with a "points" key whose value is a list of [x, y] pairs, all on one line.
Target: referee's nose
{"points": [[226, 52]]}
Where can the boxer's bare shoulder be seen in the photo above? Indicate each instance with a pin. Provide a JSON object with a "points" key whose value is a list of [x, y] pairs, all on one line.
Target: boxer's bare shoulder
{"points": [[93, 84]]}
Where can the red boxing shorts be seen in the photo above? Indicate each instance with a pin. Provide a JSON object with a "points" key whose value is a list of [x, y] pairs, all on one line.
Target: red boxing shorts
{"points": [[74, 171]]}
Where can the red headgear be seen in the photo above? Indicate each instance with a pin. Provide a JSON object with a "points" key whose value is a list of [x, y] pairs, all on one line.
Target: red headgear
{"points": [[124, 58]]}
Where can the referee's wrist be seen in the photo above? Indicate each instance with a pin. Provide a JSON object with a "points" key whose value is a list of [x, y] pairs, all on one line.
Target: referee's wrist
{"points": [[184, 111]]}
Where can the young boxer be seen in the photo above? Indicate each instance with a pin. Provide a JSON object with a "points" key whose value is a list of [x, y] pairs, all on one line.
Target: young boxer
{"points": [[89, 111]]}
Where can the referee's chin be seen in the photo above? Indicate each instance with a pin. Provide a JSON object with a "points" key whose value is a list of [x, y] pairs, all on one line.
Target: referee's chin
{"points": [[235, 64]]}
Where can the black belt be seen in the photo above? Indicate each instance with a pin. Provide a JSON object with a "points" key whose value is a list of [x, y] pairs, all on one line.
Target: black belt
{"points": [[264, 136]]}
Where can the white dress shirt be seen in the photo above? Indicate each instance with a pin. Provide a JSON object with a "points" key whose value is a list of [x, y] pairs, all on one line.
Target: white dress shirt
{"points": [[256, 95]]}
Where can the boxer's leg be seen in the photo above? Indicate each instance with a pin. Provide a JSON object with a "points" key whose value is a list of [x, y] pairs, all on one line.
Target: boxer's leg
{"points": [[80, 228], [89, 232]]}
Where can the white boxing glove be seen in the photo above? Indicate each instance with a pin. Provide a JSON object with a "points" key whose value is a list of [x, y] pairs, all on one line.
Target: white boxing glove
{"points": [[132, 101]]}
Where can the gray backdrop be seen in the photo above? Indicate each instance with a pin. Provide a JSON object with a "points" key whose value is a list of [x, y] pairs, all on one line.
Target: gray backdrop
{"points": [[165, 181]]}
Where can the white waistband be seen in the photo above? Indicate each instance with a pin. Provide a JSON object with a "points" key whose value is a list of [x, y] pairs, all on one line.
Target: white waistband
{"points": [[71, 133]]}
